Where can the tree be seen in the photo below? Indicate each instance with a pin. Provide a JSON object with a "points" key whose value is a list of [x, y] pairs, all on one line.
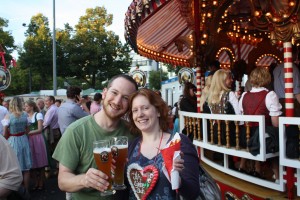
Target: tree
{"points": [[19, 82], [155, 78], [6, 41], [36, 55], [95, 53], [172, 68]]}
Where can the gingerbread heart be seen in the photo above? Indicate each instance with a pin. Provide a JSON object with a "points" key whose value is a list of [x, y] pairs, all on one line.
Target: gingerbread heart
{"points": [[142, 180]]}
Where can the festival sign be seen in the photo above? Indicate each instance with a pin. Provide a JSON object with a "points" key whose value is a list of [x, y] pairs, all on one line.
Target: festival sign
{"points": [[139, 76], [186, 75], [5, 78]]}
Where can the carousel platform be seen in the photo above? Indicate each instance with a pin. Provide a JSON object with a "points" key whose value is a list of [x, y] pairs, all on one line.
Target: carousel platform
{"points": [[235, 188]]}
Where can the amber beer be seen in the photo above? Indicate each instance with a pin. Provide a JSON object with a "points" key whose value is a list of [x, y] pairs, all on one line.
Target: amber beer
{"points": [[103, 157], [119, 152]]}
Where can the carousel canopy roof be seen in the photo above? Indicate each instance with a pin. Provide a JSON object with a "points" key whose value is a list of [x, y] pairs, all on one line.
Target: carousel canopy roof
{"points": [[168, 31]]}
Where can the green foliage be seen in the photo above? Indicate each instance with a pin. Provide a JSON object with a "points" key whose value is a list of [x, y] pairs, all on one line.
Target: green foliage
{"points": [[95, 53], [19, 82], [86, 55], [36, 54], [6, 41], [155, 78], [172, 68]]}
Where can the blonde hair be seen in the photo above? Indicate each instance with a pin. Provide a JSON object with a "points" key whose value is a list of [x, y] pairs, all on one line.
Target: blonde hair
{"points": [[16, 106], [205, 91], [218, 86], [260, 77]]}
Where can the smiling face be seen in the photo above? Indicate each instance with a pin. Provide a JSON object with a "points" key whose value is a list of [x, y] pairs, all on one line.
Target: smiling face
{"points": [[115, 98], [144, 115]]}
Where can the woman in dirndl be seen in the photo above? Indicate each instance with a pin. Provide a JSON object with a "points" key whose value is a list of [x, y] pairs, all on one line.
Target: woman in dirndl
{"points": [[15, 129]]}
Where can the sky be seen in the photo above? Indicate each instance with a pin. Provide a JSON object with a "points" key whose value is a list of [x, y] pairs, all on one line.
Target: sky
{"points": [[18, 12]]}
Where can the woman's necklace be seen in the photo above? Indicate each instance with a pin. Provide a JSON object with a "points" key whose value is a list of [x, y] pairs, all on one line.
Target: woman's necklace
{"points": [[158, 149]]}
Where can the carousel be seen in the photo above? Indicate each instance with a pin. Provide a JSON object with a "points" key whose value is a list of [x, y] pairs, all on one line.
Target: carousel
{"points": [[193, 33]]}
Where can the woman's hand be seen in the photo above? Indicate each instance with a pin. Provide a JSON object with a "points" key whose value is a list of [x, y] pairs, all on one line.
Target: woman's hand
{"points": [[178, 164]]}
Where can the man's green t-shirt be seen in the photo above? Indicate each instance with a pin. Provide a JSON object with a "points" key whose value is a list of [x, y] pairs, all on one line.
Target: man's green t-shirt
{"points": [[75, 150]]}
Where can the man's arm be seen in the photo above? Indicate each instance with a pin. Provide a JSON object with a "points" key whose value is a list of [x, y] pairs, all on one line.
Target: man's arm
{"points": [[93, 178], [79, 113], [10, 173], [48, 118]]}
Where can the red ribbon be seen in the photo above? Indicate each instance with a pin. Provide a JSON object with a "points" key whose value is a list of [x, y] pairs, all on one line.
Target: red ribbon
{"points": [[3, 60]]}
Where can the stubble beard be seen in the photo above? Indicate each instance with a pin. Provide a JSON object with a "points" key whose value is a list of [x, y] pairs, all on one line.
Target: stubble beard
{"points": [[109, 115]]}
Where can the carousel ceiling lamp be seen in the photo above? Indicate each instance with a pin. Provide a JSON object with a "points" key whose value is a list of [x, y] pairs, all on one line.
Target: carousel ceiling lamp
{"points": [[291, 3], [257, 13], [268, 14], [215, 3]]}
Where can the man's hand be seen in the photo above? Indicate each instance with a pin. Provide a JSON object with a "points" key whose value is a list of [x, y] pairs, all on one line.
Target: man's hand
{"points": [[96, 179]]}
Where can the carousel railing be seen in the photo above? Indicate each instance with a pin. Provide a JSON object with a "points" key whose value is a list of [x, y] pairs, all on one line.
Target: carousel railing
{"points": [[197, 124], [284, 160]]}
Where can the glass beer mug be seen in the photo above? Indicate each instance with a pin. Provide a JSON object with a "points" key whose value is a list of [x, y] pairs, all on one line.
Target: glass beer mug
{"points": [[103, 157], [119, 149]]}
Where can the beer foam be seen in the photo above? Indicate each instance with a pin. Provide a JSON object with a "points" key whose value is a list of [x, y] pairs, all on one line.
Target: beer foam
{"points": [[121, 146], [100, 150]]}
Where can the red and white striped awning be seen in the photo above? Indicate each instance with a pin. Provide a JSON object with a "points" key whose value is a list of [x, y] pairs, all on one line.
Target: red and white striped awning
{"points": [[224, 58], [265, 61], [157, 30], [244, 51]]}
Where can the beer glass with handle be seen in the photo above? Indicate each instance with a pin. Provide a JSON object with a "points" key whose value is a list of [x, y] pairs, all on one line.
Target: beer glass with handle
{"points": [[119, 149], [103, 157]]}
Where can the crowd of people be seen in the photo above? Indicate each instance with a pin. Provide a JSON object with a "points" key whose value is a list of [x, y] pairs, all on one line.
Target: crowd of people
{"points": [[262, 95], [32, 129], [59, 135]]}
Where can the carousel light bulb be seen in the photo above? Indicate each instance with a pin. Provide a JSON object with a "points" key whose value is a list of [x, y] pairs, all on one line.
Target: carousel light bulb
{"points": [[209, 15], [285, 15], [292, 3], [203, 5], [215, 3], [268, 14], [256, 13]]}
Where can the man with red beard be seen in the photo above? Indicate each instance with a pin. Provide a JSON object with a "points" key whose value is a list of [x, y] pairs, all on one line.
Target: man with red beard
{"points": [[77, 169]]}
